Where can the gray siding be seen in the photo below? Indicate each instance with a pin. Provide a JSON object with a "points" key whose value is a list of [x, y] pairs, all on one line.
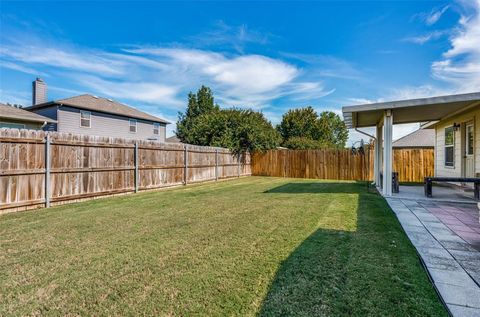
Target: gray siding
{"points": [[49, 112], [107, 125]]}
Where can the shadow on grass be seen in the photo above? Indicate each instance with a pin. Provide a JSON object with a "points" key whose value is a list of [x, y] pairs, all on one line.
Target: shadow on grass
{"points": [[372, 271], [317, 188]]}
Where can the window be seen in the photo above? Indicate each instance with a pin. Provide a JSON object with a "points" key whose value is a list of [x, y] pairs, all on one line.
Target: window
{"points": [[449, 146], [470, 139], [156, 128], [85, 117], [133, 125], [12, 125]]}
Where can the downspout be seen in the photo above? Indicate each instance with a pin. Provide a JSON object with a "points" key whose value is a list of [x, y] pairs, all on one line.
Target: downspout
{"points": [[375, 158], [362, 132], [365, 133], [371, 136]]}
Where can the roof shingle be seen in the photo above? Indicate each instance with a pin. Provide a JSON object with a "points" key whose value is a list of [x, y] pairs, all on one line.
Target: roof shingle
{"points": [[421, 138], [12, 113], [94, 103]]}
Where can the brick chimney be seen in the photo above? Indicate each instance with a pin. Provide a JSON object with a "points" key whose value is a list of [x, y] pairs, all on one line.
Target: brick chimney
{"points": [[39, 91]]}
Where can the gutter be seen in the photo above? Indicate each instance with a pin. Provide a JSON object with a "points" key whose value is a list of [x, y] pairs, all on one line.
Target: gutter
{"points": [[365, 133]]}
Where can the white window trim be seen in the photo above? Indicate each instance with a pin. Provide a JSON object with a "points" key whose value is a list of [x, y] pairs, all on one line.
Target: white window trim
{"points": [[445, 148], [130, 121], [156, 127], [89, 119], [470, 124]]}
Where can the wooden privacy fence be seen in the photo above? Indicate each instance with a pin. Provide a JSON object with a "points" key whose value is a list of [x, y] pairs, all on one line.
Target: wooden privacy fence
{"points": [[411, 164], [40, 169]]}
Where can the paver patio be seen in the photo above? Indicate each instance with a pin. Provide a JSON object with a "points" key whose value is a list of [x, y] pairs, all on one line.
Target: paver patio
{"points": [[447, 237]]}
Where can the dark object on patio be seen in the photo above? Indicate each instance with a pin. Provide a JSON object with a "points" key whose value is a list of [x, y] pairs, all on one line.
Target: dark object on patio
{"points": [[395, 182], [428, 182]]}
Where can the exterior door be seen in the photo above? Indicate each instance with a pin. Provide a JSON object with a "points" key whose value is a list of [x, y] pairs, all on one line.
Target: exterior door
{"points": [[469, 157]]}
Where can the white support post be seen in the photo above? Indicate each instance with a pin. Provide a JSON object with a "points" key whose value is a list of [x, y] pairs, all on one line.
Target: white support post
{"points": [[387, 153], [47, 170], [377, 163]]}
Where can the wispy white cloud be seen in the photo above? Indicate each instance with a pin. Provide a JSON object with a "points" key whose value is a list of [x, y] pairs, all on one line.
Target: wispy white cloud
{"points": [[148, 92], [362, 101], [234, 36], [328, 66], [163, 75], [422, 39], [15, 97], [21, 68], [460, 65], [422, 91], [432, 17], [435, 15], [37, 54]]}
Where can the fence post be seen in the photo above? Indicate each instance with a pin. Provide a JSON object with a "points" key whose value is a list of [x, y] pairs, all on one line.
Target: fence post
{"points": [[238, 165], [135, 160], [185, 162], [47, 170], [216, 164]]}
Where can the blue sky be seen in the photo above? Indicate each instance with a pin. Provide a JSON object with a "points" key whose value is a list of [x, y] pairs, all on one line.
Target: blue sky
{"points": [[270, 56]]}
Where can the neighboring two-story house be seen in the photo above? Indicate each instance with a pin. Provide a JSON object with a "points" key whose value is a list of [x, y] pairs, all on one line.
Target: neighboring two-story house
{"points": [[92, 115]]}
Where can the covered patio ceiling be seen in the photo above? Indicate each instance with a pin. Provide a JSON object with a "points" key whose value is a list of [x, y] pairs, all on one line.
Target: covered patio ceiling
{"points": [[409, 111]]}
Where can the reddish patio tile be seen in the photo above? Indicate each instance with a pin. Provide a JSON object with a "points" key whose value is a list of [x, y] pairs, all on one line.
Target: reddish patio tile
{"points": [[462, 228], [472, 236], [450, 209], [435, 209], [467, 218], [443, 212], [450, 220]]}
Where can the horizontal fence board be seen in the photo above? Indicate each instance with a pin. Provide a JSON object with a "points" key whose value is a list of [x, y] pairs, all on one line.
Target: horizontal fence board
{"points": [[411, 164], [84, 167]]}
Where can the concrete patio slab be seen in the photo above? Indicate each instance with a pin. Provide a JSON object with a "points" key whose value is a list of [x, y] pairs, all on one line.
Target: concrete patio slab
{"points": [[462, 311], [440, 193], [445, 238]]}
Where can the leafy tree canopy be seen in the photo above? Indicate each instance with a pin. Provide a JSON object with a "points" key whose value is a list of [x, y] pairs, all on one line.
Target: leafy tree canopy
{"points": [[304, 128], [204, 123], [15, 105], [198, 104]]}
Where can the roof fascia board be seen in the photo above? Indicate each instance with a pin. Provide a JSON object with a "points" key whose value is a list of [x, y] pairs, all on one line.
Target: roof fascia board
{"points": [[461, 110], [413, 102]]}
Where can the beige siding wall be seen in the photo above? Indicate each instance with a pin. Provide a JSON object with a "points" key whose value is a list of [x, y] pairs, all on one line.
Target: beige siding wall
{"points": [[457, 170], [106, 125]]}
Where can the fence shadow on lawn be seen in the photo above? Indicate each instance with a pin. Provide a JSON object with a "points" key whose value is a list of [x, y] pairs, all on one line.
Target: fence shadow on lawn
{"points": [[320, 188], [372, 270]]}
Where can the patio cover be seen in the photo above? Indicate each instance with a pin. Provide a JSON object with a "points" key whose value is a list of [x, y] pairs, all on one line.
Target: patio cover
{"points": [[409, 111], [384, 115]]}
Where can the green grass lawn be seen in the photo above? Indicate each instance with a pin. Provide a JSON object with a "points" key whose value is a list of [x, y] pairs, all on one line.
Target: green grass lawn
{"points": [[252, 246]]}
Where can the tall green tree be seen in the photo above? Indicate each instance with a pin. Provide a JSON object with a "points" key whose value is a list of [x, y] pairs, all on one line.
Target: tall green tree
{"points": [[239, 130], [300, 122], [303, 128], [204, 123], [332, 129], [198, 104]]}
